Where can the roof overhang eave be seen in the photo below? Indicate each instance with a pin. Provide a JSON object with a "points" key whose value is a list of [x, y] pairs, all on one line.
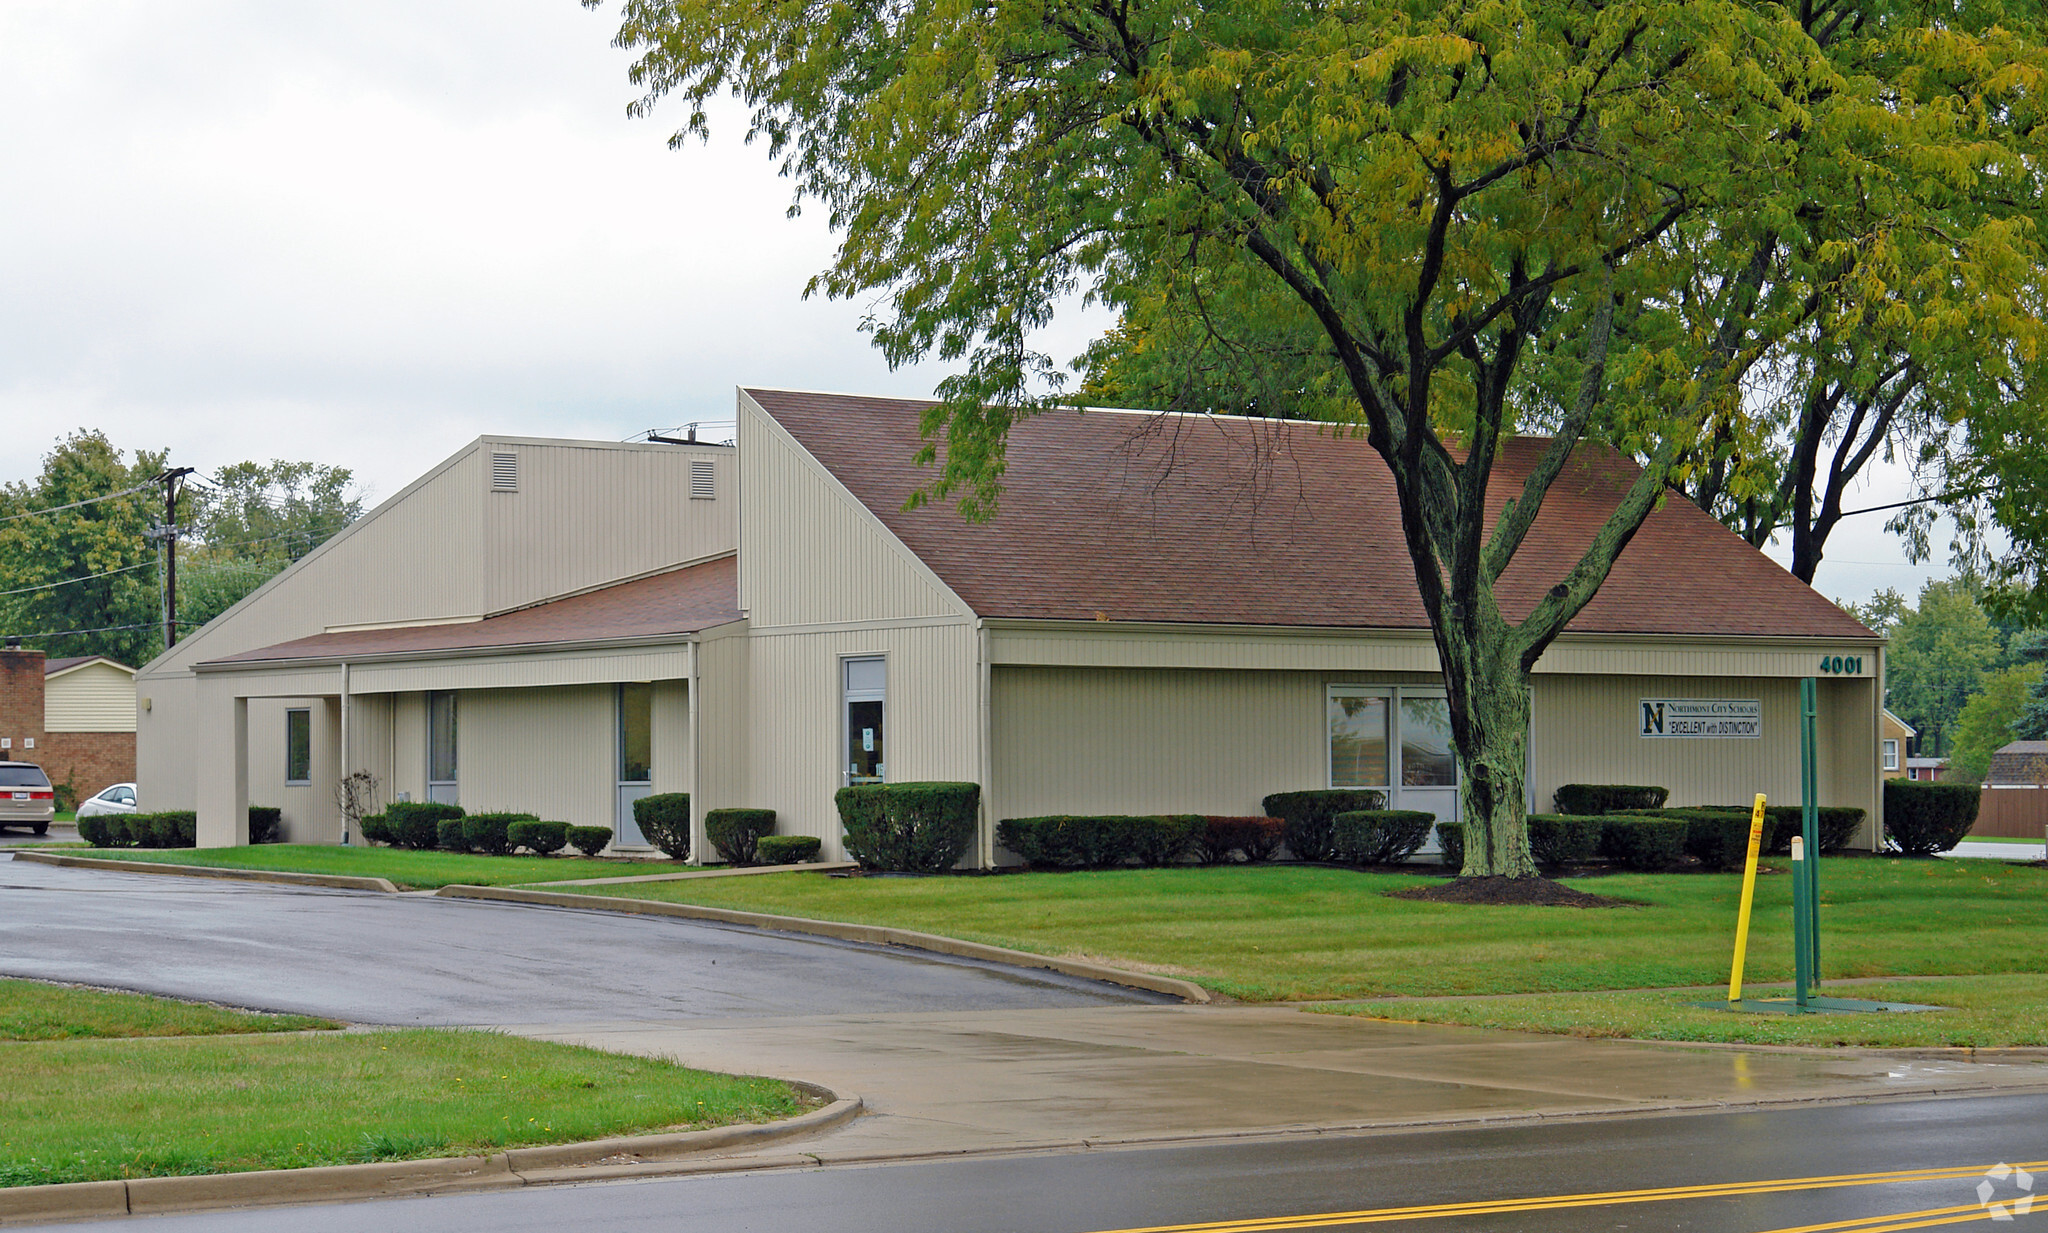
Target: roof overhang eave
{"points": [[297, 663]]}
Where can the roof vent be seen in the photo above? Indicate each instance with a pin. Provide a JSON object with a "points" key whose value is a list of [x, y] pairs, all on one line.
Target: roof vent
{"points": [[703, 479], [504, 471]]}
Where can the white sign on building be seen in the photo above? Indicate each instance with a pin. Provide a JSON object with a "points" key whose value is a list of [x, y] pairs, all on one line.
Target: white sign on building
{"points": [[1703, 717]]}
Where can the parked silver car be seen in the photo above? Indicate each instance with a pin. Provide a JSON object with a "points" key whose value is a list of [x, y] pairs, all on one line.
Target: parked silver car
{"points": [[26, 797], [118, 799]]}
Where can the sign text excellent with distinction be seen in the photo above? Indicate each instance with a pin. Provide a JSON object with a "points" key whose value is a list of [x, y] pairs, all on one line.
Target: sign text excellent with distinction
{"points": [[1703, 717]]}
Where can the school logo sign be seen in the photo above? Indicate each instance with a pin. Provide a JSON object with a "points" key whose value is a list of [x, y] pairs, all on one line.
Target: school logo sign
{"points": [[1702, 718]]}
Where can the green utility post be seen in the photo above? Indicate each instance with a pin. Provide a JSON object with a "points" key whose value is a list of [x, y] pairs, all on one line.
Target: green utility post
{"points": [[1809, 822]]}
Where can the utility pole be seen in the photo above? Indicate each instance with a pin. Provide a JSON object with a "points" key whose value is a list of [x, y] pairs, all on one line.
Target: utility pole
{"points": [[168, 533]]}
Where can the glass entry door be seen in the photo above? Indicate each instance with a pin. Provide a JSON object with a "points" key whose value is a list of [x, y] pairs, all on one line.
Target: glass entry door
{"points": [[636, 760], [1429, 762], [1397, 738], [866, 688]]}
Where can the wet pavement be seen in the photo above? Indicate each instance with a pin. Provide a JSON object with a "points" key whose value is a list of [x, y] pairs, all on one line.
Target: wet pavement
{"points": [[417, 959]]}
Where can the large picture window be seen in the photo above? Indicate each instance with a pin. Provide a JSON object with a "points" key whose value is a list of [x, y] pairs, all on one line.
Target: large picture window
{"points": [[298, 747], [1358, 737]]}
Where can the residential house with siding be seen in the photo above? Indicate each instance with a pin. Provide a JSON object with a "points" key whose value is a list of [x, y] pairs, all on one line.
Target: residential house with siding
{"points": [[1168, 614]]}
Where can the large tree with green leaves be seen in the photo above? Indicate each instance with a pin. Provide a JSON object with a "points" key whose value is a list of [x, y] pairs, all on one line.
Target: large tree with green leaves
{"points": [[82, 574], [78, 572], [1597, 217]]}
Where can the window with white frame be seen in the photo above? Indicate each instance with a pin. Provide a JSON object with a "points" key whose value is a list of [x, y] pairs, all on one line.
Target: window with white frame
{"points": [[298, 747], [1891, 755]]}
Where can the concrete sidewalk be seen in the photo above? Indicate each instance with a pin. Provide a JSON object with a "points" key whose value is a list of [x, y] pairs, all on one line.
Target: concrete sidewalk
{"points": [[948, 1083]]}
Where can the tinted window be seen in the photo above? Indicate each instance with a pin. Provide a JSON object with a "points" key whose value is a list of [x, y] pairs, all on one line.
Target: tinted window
{"points": [[23, 777]]}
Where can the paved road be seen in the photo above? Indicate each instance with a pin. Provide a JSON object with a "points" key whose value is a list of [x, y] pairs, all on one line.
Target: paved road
{"points": [[1323, 1182], [412, 959]]}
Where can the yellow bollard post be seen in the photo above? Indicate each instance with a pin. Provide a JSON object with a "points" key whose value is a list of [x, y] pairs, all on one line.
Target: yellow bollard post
{"points": [[1756, 838]]}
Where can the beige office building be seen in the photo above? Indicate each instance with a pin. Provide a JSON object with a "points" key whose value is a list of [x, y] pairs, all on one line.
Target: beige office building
{"points": [[1168, 614]]}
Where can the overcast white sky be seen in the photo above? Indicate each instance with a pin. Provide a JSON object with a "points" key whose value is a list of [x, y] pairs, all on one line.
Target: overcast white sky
{"points": [[365, 231]]}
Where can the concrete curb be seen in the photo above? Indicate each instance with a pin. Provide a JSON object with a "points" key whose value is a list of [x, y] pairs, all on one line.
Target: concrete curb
{"points": [[1186, 991], [653, 1156], [335, 881]]}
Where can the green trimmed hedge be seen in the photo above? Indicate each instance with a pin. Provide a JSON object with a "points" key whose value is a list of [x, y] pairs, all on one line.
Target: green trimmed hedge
{"points": [[1308, 819], [664, 818], [1921, 819], [95, 831], [417, 824], [375, 827], [538, 837], [1450, 840], [452, 835], [909, 827], [1379, 836], [1563, 838], [736, 833], [1636, 842], [590, 840], [787, 849], [263, 821], [1588, 800], [1256, 839], [490, 833], [1100, 841]]}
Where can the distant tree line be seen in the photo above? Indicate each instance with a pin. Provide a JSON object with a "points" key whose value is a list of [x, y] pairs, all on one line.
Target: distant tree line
{"points": [[87, 578]]}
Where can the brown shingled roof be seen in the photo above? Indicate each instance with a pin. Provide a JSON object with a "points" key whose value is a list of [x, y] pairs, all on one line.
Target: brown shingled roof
{"points": [[1142, 517], [681, 601]]}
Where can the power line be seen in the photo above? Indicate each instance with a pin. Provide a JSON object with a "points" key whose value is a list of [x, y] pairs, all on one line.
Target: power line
{"points": [[50, 586], [104, 629], [77, 504]]}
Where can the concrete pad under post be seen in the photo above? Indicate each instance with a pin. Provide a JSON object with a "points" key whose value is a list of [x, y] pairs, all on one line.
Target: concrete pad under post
{"points": [[223, 769]]}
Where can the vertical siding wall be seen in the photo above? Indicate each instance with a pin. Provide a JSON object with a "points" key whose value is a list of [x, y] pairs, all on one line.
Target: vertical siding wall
{"points": [[931, 722], [1147, 740], [166, 744], [724, 676], [540, 751], [1587, 729], [811, 554], [93, 698]]}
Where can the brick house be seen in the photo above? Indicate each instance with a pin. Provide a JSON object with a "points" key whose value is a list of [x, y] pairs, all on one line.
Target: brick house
{"points": [[74, 717]]}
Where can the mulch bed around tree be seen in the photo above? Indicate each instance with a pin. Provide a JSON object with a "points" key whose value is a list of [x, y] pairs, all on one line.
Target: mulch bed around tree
{"points": [[1529, 892]]}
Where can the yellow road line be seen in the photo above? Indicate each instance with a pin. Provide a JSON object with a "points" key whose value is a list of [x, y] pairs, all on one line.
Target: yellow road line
{"points": [[1611, 1198], [1902, 1220]]}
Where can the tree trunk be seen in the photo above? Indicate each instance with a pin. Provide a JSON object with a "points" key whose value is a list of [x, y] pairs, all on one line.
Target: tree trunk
{"points": [[1488, 689]]}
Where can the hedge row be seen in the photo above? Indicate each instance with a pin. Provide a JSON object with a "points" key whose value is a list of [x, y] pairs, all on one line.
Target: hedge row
{"points": [[909, 827], [1592, 800], [428, 825], [737, 833], [172, 828], [1251, 839], [1100, 841], [1631, 841], [1309, 819]]}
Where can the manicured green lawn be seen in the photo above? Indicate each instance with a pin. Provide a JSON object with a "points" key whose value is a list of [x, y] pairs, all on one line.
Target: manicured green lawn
{"points": [[424, 870], [33, 1011], [76, 1110], [1980, 1011], [1277, 932], [2036, 842]]}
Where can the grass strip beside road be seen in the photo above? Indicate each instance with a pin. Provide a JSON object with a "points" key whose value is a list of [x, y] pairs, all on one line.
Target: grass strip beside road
{"points": [[90, 1110], [30, 1010], [404, 867], [1978, 1012], [1280, 932]]}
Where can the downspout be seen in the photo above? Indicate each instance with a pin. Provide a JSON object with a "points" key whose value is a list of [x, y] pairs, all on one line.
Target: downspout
{"points": [[345, 752], [696, 750], [986, 751]]}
